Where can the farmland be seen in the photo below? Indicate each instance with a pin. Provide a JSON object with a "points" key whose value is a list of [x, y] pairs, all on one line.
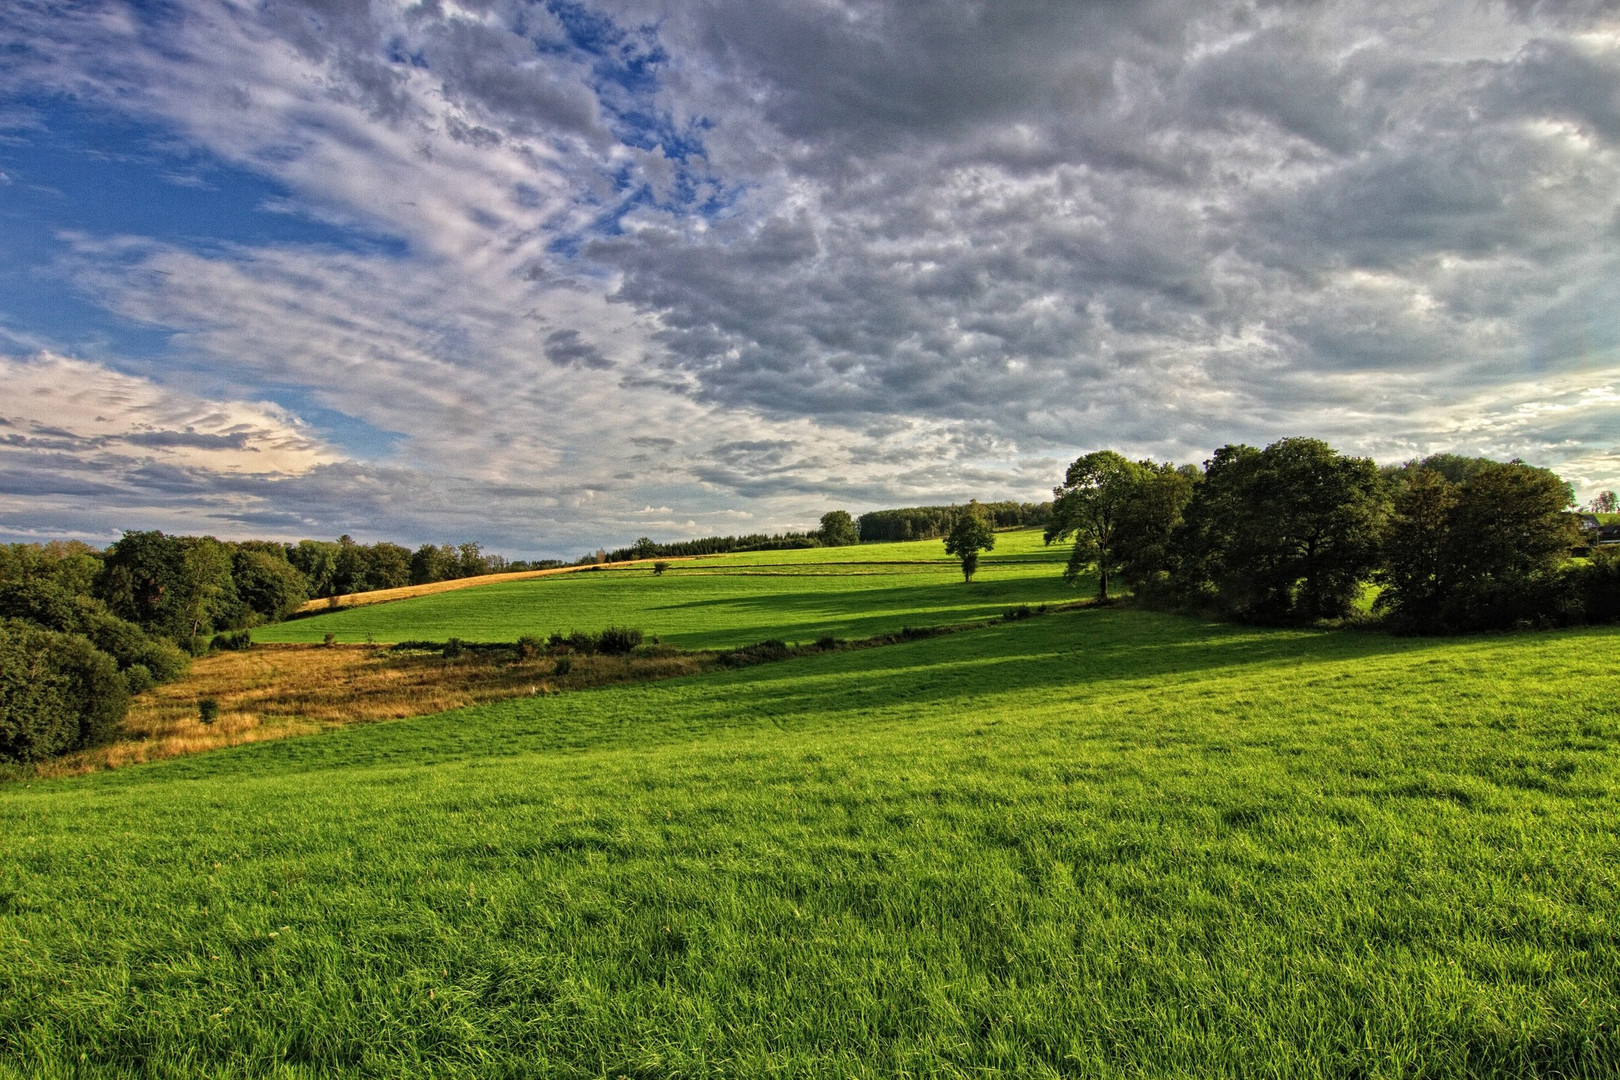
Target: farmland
{"points": [[1100, 842], [723, 601]]}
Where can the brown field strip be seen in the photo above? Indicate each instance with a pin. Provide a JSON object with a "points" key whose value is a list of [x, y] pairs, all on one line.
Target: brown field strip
{"points": [[276, 691]]}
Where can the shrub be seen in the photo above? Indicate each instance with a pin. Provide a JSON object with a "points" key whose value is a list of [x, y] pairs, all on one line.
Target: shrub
{"points": [[529, 646], [207, 710], [453, 648], [759, 653], [58, 692], [235, 641], [580, 642], [329, 638], [1598, 585], [1012, 614], [565, 664], [618, 640], [130, 645], [659, 567], [826, 643], [138, 679]]}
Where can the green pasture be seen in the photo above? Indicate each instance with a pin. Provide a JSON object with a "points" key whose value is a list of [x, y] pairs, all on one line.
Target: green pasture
{"points": [[848, 592], [1098, 843]]}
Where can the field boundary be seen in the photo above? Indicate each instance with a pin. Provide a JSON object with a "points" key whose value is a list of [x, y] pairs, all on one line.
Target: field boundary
{"points": [[410, 592]]}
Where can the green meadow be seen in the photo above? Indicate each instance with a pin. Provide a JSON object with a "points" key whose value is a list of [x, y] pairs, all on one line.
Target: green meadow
{"points": [[724, 601], [1099, 842]]}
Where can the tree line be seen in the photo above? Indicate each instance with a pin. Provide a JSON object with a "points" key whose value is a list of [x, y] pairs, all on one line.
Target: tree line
{"points": [[1296, 531], [82, 630], [931, 522]]}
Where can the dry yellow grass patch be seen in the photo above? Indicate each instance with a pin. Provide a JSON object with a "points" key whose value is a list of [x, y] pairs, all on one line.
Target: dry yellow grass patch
{"points": [[273, 691]]}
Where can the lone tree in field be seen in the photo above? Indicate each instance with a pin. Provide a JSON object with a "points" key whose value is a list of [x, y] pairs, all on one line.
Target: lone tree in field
{"points": [[969, 535], [838, 529]]}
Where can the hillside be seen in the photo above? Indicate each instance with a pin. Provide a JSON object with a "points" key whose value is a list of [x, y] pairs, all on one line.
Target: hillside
{"points": [[1100, 842], [723, 601]]}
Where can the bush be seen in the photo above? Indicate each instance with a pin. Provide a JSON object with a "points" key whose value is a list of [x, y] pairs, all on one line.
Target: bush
{"points": [[453, 648], [207, 710], [659, 567], [826, 643], [1013, 614], [1597, 583], [529, 646], [130, 645], [1538, 601], [618, 640], [565, 664], [138, 679], [58, 693], [759, 653], [235, 641]]}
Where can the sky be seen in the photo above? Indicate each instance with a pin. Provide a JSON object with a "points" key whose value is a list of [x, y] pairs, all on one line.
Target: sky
{"points": [[549, 275]]}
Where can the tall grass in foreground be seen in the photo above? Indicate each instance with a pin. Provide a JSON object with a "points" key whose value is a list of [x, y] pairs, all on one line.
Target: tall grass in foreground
{"points": [[1102, 843]]}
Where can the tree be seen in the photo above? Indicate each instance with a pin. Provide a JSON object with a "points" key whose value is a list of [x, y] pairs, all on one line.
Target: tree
{"points": [[1144, 535], [470, 561], [838, 529], [270, 587], [317, 560], [1484, 553], [430, 564], [1415, 572], [1285, 533], [1605, 502], [1089, 505], [970, 534], [388, 566]]}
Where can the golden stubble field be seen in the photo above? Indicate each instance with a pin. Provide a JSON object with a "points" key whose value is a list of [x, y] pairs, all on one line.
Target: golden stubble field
{"points": [[275, 691]]}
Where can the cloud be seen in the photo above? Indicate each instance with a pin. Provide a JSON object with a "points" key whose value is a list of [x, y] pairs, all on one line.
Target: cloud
{"points": [[566, 348], [684, 257], [77, 407]]}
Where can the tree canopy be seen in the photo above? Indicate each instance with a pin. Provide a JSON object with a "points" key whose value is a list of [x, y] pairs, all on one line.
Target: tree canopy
{"points": [[838, 529]]}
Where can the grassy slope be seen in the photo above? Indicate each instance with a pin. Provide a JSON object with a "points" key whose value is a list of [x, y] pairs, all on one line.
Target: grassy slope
{"points": [[1096, 843], [727, 601]]}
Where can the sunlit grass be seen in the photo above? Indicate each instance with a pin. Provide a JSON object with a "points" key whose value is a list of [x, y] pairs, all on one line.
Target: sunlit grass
{"points": [[718, 602], [1097, 843]]}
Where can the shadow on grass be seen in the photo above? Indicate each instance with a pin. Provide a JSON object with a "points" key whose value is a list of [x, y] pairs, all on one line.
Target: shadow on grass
{"points": [[1070, 655], [807, 614]]}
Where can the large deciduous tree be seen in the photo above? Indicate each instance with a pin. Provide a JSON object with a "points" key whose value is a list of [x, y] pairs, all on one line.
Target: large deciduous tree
{"points": [[1285, 533], [1090, 505], [1121, 514], [1483, 553]]}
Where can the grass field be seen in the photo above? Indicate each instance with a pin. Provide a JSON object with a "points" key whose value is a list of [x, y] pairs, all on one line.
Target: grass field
{"points": [[1095, 843], [851, 592]]}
